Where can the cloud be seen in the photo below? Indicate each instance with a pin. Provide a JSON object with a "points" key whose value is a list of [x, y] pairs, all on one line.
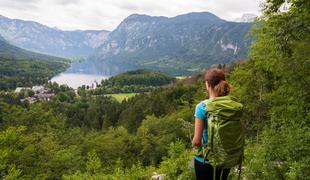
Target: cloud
{"points": [[18, 4], [107, 14]]}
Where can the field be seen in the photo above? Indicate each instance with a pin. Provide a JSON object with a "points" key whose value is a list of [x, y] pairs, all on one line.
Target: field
{"points": [[181, 77], [122, 96]]}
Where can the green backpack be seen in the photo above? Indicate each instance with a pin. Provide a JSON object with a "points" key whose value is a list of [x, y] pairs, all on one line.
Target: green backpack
{"points": [[225, 133]]}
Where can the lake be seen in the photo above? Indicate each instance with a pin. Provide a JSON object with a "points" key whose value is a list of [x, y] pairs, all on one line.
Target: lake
{"points": [[75, 80], [88, 71]]}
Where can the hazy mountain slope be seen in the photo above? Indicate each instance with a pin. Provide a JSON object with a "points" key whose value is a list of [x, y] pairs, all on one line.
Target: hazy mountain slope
{"points": [[40, 38], [10, 51]]}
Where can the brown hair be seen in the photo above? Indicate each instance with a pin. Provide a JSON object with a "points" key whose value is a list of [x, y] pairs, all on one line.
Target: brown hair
{"points": [[216, 79]]}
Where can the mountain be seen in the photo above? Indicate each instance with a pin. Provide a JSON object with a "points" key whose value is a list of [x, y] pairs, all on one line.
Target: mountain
{"points": [[40, 38], [191, 41], [8, 50], [187, 42], [246, 18]]}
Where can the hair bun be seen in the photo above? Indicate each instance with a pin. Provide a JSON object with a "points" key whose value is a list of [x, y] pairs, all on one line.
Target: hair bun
{"points": [[216, 79], [222, 88]]}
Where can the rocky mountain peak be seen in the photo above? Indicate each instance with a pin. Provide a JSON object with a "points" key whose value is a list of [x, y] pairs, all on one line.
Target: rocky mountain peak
{"points": [[139, 18], [142, 17], [198, 16], [3, 18]]}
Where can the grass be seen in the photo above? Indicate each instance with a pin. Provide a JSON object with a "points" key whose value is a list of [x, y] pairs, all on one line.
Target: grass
{"points": [[181, 77], [122, 96]]}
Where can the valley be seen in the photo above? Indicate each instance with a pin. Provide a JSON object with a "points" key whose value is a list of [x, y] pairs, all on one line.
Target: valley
{"points": [[178, 45], [120, 104]]}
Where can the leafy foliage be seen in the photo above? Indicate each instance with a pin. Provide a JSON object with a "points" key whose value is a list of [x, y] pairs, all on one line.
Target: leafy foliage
{"points": [[84, 136], [27, 72]]}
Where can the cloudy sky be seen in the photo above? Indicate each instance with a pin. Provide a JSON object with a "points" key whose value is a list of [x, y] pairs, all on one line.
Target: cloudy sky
{"points": [[107, 14]]}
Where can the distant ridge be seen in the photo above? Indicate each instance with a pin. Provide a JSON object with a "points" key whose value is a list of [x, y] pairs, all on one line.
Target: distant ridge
{"points": [[10, 51], [40, 38]]}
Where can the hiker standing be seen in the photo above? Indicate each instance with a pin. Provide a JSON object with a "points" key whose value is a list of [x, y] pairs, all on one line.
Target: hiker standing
{"points": [[218, 137]]}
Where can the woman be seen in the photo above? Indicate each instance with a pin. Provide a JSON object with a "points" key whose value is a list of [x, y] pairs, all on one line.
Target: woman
{"points": [[216, 86]]}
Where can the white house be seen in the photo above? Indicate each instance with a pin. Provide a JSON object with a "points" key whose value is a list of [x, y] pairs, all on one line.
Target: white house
{"points": [[38, 89]]}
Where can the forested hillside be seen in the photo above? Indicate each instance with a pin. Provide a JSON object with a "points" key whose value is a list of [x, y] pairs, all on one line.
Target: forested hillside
{"points": [[135, 81], [95, 137], [19, 67], [27, 72], [72, 136]]}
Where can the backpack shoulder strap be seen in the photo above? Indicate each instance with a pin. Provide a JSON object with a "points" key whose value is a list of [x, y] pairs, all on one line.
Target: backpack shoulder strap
{"points": [[206, 102]]}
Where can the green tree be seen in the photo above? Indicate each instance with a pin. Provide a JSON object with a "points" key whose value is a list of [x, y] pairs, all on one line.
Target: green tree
{"points": [[93, 164], [273, 85]]}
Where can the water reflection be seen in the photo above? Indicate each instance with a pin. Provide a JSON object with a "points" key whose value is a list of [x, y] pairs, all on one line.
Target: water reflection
{"points": [[89, 72], [99, 67], [75, 80]]}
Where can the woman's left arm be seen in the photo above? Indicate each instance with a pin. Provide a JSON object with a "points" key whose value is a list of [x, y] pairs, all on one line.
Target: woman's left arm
{"points": [[197, 140]]}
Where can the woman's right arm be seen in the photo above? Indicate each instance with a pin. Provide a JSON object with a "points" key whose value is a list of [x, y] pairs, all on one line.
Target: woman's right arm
{"points": [[197, 140]]}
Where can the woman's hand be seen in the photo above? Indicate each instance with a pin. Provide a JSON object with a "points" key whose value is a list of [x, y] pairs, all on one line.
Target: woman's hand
{"points": [[197, 140]]}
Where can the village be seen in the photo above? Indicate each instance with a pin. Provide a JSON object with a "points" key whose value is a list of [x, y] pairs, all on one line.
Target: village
{"points": [[41, 93], [35, 93]]}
